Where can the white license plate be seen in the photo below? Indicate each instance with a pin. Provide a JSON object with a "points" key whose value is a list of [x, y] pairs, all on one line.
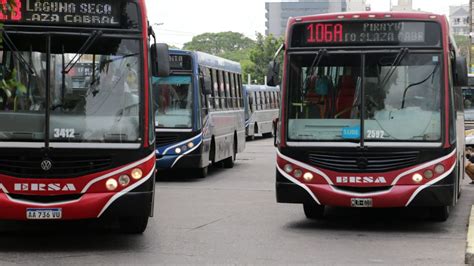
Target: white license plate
{"points": [[44, 214], [361, 203]]}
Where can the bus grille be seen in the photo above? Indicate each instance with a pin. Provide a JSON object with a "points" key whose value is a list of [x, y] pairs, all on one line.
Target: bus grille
{"points": [[25, 166], [163, 139], [363, 161]]}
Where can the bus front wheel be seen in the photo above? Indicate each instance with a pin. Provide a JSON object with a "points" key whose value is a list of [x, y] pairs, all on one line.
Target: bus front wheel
{"points": [[202, 172], [313, 211], [440, 214], [133, 225]]}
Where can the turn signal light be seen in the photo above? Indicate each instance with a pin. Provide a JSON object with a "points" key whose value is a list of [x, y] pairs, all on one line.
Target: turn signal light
{"points": [[288, 168], [137, 173], [428, 174], [298, 173], [111, 184], [439, 169], [124, 180]]}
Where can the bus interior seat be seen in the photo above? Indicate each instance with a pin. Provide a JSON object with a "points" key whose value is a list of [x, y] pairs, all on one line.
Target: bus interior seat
{"points": [[345, 97]]}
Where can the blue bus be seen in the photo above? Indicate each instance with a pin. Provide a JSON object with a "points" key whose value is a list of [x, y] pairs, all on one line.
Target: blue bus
{"points": [[262, 105], [199, 113]]}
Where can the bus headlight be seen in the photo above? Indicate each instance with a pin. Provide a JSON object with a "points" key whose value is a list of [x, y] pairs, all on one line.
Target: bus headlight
{"points": [[111, 184], [137, 173], [417, 178], [439, 169], [288, 168], [177, 150], [308, 176], [190, 145], [124, 180]]}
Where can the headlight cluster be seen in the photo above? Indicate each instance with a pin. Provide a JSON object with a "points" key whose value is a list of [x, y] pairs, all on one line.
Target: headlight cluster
{"points": [[184, 148], [298, 173], [428, 173], [123, 180]]}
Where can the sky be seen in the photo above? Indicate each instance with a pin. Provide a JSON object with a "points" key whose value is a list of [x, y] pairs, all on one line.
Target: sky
{"points": [[179, 20]]}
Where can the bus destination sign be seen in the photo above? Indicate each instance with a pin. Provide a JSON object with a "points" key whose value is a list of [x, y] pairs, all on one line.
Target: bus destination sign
{"points": [[368, 33], [68, 12], [181, 62]]}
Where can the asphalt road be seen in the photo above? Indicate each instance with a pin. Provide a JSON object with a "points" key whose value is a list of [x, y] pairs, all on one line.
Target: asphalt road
{"points": [[232, 217]]}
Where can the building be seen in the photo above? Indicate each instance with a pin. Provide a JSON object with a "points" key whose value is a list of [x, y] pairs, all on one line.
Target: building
{"points": [[403, 5], [459, 19], [357, 5], [278, 12]]}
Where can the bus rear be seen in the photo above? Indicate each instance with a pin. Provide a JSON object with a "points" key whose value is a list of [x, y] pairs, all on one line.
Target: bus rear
{"points": [[370, 117], [77, 139]]}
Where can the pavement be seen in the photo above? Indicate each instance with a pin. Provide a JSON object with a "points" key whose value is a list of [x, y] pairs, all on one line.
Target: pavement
{"points": [[231, 217]]}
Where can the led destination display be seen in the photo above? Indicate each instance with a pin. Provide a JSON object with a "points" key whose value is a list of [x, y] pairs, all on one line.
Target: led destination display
{"points": [[75, 12]]}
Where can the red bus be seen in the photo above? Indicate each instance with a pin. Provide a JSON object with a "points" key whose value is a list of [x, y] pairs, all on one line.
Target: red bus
{"points": [[371, 113], [77, 133]]}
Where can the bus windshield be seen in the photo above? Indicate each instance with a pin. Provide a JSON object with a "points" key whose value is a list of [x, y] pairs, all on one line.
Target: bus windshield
{"points": [[400, 92], [97, 99], [173, 98], [468, 94]]}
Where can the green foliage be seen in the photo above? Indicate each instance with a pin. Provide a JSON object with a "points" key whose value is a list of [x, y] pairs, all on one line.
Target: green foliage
{"points": [[463, 43], [230, 45], [261, 55]]}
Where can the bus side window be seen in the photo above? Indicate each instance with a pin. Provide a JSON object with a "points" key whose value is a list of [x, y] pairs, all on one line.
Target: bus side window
{"points": [[215, 94], [239, 91], [232, 90], [204, 97], [228, 99], [221, 89]]}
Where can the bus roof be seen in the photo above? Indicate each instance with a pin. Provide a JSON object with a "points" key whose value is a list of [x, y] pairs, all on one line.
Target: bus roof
{"points": [[211, 61], [260, 88], [370, 15]]}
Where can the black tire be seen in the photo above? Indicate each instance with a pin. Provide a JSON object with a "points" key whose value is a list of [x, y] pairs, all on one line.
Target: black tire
{"points": [[440, 214], [267, 135], [230, 162], [313, 211], [133, 225], [202, 172]]}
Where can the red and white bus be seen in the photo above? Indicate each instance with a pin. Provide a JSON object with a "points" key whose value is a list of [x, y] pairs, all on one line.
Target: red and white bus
{"points": [[371, 113], [77, 133]]}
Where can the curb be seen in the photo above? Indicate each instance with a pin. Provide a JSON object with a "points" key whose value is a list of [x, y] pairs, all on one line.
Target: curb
{"points": [[469, 258]]}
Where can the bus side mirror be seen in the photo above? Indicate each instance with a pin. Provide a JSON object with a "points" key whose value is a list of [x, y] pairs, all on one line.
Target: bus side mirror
{"points": [[460, 72], [160, 60], [273, 74], [275, 131]]}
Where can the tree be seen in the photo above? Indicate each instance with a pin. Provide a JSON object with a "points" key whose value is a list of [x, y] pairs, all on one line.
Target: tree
{"points": [[262, 53], [464, 44], [230, 45]]}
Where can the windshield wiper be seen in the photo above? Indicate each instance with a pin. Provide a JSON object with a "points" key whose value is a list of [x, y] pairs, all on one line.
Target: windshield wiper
{"points": [[19, 57], [398, 59], [317, 60], [418, 83], [84, 48]]}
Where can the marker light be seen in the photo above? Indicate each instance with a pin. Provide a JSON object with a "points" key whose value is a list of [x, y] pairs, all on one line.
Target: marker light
{"points": [[417, 178], [288, 168], [177, 150], [298, 173], [439, 169], [356, 16], [371, 16], [124, 180], [308, 176], [111, 184], [388, 16], [428, 174], [432, 17], [137, 173], [190, 145], [340, 16]]}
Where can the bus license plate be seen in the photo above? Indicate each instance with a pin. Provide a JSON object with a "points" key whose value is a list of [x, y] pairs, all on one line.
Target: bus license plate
{"points": [[44, 214], [361, 203]]}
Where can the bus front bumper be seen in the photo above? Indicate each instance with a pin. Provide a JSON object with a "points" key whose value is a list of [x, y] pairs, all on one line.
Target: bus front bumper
{"points": [[398, 196], [87, 206]]}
